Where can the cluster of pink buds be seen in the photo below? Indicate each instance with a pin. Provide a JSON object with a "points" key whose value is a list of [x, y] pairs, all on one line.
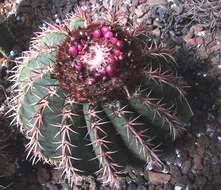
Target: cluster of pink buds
{"points": [[96, 52]]}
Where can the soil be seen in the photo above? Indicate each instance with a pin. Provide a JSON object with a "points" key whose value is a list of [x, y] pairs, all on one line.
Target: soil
{"points": [[194, 161]]}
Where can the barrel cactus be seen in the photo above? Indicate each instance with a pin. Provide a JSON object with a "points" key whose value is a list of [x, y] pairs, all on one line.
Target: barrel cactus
{"points": [[87, 92]]}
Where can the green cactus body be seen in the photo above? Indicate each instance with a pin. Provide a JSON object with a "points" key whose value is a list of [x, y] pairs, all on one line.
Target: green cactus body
{"points": [[72, 103]]}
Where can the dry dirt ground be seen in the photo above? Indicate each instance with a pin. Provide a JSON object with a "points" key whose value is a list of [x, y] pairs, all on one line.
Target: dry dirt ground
{"points": [[194, 160]]}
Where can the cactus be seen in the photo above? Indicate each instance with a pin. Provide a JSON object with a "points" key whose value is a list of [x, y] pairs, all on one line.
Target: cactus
{"points": [[87, 92]]}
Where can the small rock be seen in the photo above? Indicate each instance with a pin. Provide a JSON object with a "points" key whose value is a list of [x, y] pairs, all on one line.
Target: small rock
{"points": [[140, 10], [216, 187], [181, 181], [55, 176], [177, 187], [151, 187], [204, 141], [210, 187], [158, 178], [156, 32], [141, 188], [34, 187], [162, 14], [140, 180], [191, 176], [123, 184], [196, 29], [105, 188], [157, 2], [200, 181], [132, 186], [186, 167], [92, 183], [135, 3], [219, 115], [177, 8], [43, 175], [178, 163], [174, 170], [168, 186], [217, 179], [177, 177], [197, 162]]}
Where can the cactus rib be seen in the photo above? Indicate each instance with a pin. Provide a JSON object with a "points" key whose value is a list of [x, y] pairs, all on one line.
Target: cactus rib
{"points": [[97, 135], [135, 140]]}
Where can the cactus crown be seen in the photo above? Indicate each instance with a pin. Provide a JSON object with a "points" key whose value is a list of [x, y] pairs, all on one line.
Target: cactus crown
{"points": [[95, 61], [98, 76]]}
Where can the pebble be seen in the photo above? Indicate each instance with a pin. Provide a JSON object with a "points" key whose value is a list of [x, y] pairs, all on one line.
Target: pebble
{"points": [[56, 176], [12, 53], [141, 188], [177, 187], [99, 2], [158, 178], [200, 181], [140, 180], [178, 162], [44, 24], [191, 176], [43, 175], [210, 131], [123, 184], [132, 186], [197, 162], [162, 13], [10, 13], [219, 115], [18, 18], [157, 2], [57, 20], [18, 1], [156, 32], [178, 153], [186, 167], [219, 139], [165, 169]]}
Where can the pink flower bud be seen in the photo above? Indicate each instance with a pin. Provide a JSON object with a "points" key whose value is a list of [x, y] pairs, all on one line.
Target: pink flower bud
{"points": [[112, 60], [104, 29], [109, 71], [73, 51], [117, 52], [108, 35], [80, 47], [78, 67], [119, 44], [114, 40], [103, 72], [120, 57], [96, 34]]}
